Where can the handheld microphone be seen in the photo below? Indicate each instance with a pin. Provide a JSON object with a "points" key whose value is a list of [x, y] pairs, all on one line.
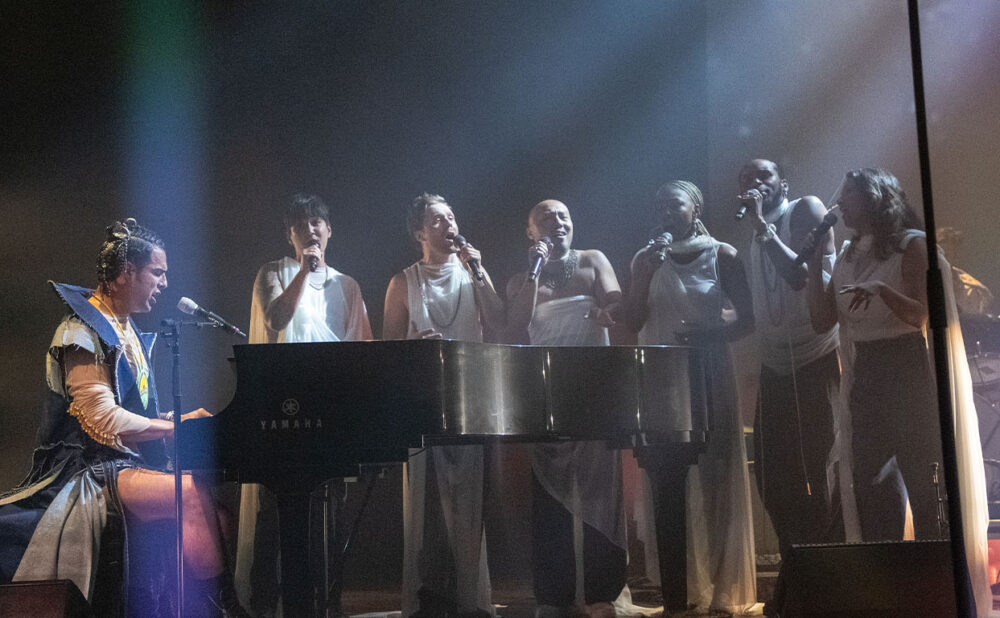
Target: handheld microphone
{"points": [[536, 264], [191, 308], [750, 195], [828, 221], [661, 254], [460, 242], [313, 260]]}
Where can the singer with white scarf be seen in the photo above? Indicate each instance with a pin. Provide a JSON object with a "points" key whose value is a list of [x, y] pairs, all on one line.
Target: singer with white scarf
{"points": [[693, 291], [446, 295], [295, 301], [569, 297]]}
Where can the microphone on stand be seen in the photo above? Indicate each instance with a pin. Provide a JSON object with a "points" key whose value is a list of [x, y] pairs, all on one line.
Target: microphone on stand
{"points": [[313, 260], [749, 196], [536, 265], [829, 220], [190, 307], [661, 254], [459, 241]]}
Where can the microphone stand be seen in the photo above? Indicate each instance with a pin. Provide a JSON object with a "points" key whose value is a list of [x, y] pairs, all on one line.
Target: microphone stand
{"points": [[938, 321], [172, 335]]}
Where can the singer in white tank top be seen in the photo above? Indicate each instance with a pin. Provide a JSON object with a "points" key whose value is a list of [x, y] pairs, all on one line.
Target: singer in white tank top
{"points": [[444, 554]]}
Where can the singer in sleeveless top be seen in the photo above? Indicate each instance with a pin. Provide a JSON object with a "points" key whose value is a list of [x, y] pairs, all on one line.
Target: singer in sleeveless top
{"points": [[878, 296], [445, 569], [578, 529], [693, 291], [799, 369]]}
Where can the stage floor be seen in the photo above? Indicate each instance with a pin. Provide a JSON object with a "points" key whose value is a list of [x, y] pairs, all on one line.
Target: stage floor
{"points": [[515, 600]]}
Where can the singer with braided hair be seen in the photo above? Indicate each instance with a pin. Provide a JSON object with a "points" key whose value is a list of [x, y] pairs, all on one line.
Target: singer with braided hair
{"points": [[698, 295], [101, 445]]}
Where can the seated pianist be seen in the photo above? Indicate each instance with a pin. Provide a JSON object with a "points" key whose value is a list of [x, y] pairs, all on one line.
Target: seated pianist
{"points": [[102, 448]]}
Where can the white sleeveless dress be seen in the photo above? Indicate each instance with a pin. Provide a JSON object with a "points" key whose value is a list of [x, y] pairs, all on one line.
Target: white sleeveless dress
{"points": [[721, 561]]}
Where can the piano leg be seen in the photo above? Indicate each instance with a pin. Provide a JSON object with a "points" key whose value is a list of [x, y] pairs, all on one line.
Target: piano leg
{"points": [[296, 581], [668, 471]]}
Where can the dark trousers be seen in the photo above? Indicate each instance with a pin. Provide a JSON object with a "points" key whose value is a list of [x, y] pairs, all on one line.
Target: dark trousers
{"points": [[793, 435], [894, 415], [553, 560]]}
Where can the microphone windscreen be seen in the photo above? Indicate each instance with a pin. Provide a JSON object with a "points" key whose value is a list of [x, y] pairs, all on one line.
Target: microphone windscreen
{"points": [[459, 241], [187, 305]]}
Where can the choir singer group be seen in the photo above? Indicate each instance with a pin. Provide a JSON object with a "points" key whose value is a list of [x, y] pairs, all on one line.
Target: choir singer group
{"points": [[846, 429]]}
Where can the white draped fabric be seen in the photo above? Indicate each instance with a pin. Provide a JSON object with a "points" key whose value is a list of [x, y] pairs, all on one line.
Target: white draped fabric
{"points": [[585, 477], [721, 561], [971, 475], [441, 297], [561, 322]]}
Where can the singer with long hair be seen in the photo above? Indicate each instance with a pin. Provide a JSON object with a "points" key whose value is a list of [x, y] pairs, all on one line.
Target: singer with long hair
{"points": [[688, 288], [298, 300], [440, 296], [878, 295], [101, 449]]}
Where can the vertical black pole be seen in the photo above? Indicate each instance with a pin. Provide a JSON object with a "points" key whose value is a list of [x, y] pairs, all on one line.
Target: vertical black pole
{"points": [[173, 336], [938, 320]]}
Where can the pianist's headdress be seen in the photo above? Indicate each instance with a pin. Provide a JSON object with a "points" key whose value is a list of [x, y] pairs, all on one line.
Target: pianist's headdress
{"points": [[125, 242]]}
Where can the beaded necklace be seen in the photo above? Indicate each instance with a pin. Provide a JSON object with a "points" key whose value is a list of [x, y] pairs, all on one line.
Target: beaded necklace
{"points": [[130, 346], [559, 279]]}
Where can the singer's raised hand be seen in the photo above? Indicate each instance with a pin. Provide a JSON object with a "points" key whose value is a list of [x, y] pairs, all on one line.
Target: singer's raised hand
{"points": [[753, 200], [468, 252], [814, 248], [310, 254], [539, 248], [647, 259], [657, 245]]}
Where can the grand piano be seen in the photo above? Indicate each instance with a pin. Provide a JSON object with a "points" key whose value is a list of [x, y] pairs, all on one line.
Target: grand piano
{"points": [[307, 412]]}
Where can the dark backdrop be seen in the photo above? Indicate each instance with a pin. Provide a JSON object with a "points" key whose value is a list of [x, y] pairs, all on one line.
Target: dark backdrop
{"points": [[200, 119]]}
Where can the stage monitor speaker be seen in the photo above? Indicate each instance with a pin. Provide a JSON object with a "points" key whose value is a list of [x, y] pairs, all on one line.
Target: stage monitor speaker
{"points": [[862, 580], [58, 598]]}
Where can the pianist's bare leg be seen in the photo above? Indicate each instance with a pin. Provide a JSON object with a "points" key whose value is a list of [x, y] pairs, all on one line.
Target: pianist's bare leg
{"points": [[148, 495]]}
